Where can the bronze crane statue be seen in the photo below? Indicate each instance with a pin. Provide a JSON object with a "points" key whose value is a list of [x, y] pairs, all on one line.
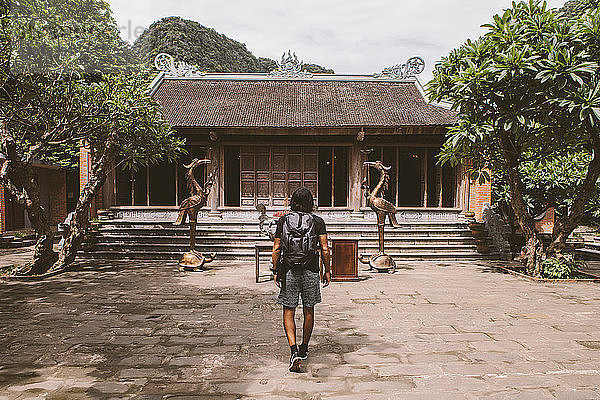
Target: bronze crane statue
{"points": [[383, 209], [190, 208]]}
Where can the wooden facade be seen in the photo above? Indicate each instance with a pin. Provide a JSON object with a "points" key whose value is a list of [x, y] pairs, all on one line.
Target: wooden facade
{"points": [[267, 136], [265, 169]]}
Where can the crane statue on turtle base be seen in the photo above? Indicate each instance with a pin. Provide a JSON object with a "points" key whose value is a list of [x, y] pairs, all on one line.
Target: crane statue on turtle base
{"points": [[189, 208], [383, 209]]}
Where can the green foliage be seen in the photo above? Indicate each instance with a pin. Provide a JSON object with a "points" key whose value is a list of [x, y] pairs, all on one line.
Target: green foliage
{"points": [[562, 266], [53, 35], [531, 80], [72, 79], [204, 47], [576, 8], [121, 104], [316, 69], [9, 270], [550, 182], [266, 64], [527, 95]]}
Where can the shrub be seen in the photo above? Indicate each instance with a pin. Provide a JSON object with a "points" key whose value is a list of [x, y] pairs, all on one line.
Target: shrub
{"points": [[560, 267]]}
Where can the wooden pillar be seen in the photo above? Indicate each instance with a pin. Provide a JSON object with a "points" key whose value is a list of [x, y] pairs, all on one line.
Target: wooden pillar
{"points": [[215, 193], [355, 175], [425, 175]]}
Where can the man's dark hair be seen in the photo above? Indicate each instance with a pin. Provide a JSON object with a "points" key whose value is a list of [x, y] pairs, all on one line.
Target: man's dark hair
{"points": [[302, 200]]}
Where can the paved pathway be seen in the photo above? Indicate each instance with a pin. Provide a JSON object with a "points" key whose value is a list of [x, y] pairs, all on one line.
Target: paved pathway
{"points": [[432, 331]]}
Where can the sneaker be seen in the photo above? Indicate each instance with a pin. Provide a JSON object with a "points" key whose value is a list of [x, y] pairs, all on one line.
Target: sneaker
{"points": [[303, 352], [295, 362]]}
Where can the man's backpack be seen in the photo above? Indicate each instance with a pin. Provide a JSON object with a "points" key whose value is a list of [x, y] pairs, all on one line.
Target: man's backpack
{"points": [[299, 241]]}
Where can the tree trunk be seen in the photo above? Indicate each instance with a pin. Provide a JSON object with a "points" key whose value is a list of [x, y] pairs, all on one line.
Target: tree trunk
{"points": [[80, 220], [19, 178], [533, 244], [43, 254], [564, 226]]}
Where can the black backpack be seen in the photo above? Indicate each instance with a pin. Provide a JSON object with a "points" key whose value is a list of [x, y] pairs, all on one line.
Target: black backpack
{"points": [[299, 241]]}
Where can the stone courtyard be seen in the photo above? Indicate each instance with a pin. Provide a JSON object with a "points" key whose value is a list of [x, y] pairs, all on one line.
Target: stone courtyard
{"points": [[434, 330]]}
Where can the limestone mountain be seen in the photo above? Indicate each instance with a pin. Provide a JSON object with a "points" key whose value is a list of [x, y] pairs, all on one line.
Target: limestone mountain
{"points": [[204, 47]]}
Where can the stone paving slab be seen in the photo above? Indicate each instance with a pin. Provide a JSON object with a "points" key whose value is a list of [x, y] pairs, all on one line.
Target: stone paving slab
{"points": [[434, 330]]}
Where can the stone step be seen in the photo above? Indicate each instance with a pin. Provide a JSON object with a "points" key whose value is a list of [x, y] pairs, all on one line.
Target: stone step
{"points": [[249, 248], [229, 224], [595, 245], [363, 240], [236, 239], [588, 254], [255, 232], [241, 256]]}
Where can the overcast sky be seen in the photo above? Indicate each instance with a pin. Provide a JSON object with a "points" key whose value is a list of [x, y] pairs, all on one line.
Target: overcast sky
{"points": [[350, 36]]}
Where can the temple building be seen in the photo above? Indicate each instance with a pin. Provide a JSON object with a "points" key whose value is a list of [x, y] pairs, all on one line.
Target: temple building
{"points": [[268, 134]]}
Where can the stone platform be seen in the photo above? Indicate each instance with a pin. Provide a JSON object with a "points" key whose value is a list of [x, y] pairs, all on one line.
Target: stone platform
{"points": [[434, 330]]}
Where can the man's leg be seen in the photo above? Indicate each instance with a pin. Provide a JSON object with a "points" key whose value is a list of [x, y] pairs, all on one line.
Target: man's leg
{"points": [[289, 324], [309, 322]]}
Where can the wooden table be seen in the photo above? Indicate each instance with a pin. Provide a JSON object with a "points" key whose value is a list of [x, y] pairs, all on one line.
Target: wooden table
{"points": [[258, 248]]}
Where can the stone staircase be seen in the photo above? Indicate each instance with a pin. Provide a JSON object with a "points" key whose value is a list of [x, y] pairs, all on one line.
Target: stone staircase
{"points": [[234, 239], [588, 248]]}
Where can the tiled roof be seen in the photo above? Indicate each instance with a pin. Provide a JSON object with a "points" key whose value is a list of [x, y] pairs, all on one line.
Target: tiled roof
{"points": [[296, 103]]}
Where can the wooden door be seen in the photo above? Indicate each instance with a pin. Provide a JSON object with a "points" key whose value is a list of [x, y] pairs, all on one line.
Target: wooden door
{"points": [[345, 260], [269, 175], [262, 162]]}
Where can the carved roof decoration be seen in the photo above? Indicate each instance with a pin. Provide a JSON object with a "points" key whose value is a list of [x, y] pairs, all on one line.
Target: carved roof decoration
{"points": [[414, 66], [290, 67], [166, 63]]}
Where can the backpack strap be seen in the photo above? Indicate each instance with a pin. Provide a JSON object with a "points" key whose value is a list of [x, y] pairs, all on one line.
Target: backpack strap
{"points": [[299, 225]]}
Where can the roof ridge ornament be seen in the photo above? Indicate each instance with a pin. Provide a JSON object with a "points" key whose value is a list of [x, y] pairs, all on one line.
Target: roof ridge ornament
{"points": [[166, 63], [290, 67], [414, 66]]}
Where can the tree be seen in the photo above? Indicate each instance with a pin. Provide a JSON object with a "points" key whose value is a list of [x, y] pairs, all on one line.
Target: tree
{"points": [[316, 69], [551, 182], [527, 92], [125, 123], [266, 64], [64, 82], [576, 8]]}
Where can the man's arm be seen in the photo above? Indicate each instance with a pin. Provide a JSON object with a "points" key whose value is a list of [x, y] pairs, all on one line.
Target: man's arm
{"points": [[326, 259], [275, 256]]}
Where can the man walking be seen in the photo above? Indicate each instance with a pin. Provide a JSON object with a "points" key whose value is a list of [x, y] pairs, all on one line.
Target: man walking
{"points": [[299, 238]]}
